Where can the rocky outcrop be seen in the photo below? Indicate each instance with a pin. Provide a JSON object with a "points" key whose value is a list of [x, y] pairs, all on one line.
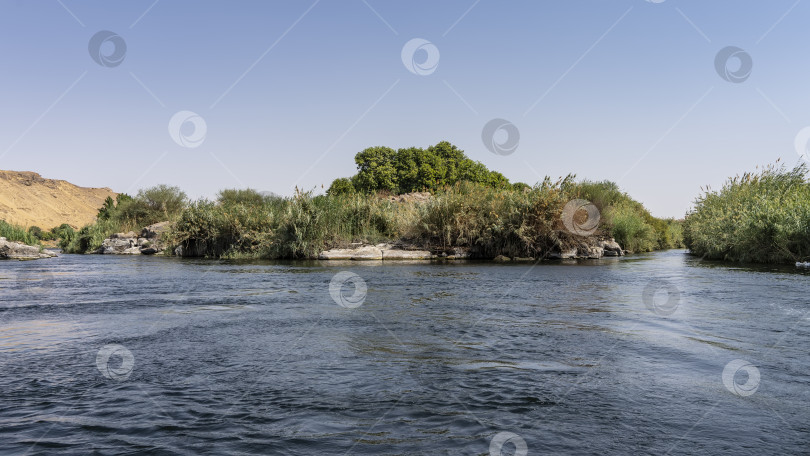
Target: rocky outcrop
{"points": [[611, 248], [592, 249], [588, 249], [146, 243], [17, 251], [361, 252]]}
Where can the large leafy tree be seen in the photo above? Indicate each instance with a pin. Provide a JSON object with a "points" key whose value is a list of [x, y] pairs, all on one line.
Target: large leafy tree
{"points": [[375, 170], [415, 169]]}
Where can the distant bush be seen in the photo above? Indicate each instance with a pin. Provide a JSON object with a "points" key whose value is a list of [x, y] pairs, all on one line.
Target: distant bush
{"points": [[341, 186], [382, 169], [126, 213], [520, 186], [757, 217], [14, 233], [35, 231], [162, 202], [495, 221], [65, 233], [630, 229], [237, 196], [627, 220]]}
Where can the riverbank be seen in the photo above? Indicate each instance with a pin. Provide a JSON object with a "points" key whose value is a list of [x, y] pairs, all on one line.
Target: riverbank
{"points": [[562, 219], [761, 217]]}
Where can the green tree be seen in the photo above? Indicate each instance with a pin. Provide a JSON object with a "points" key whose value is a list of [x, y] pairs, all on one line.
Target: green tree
{"points": [[375, 170], [107, 209], [35, 231], [341, 186], [169, 201], [248, 197], [414, 169]]}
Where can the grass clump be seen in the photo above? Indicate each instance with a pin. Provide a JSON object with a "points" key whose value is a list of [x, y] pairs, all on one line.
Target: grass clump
{"points": [[627, 220], [759, 217], [274, 227], [14, 233]]}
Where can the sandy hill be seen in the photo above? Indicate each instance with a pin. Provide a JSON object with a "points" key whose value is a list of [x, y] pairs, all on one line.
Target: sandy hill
{"points": [[28, 199]]}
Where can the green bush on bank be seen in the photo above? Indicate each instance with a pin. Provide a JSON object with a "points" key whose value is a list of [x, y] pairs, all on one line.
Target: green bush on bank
{"points": [[632, 225], [757, 217], [522, 222], [124, 214], [297, 227], [14, 233]]}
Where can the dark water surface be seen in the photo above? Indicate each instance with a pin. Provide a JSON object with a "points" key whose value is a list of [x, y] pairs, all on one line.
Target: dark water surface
{"points": [[140, 355]]}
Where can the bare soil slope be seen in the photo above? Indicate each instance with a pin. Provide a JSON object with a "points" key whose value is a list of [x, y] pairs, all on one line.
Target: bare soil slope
{"points": [[28, 199]]}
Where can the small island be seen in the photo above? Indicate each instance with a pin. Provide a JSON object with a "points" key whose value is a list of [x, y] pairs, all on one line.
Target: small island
{"points": [[437, 204]]}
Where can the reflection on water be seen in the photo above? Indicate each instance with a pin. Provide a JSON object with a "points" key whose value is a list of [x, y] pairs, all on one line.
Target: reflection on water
{"points": [[610, 356]]}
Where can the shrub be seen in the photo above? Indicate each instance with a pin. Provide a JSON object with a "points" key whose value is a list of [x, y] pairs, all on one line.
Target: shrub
{"points": [[163, 202], [35, 231], [149, 206], [341, 186], [627, 220], [14, 233], [757, 217], [237, 196], [630, 228], [65, 233]]}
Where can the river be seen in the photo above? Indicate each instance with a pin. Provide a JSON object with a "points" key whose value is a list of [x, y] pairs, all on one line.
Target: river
{"points": [[649, 354]]}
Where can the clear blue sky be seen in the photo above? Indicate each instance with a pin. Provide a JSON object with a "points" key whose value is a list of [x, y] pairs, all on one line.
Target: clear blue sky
{"points": [[625, 90]]}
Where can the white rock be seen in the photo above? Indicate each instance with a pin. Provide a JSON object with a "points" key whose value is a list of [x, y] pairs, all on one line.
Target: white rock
{"points": [[17, 251], [398, 254]]}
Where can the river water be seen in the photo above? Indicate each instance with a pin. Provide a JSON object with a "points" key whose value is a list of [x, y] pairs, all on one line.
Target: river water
{"points": [[648, 354]]}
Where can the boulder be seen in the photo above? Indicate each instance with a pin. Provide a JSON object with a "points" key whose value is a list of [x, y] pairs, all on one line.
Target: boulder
{"points": [[501, 259], [367, 253], [17, 251], [120, 246], [563, 254], [336, 254], [592, 253], [459, 253], [147, 243], [154, 231], [611, 248], [131, 234], [359, 251], [399, 254]]}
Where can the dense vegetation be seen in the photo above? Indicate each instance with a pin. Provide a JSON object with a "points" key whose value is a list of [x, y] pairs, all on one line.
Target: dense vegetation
{"points": [[14, 233], [382, 169], [470, 207], [124, 214], [757, 217]]}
